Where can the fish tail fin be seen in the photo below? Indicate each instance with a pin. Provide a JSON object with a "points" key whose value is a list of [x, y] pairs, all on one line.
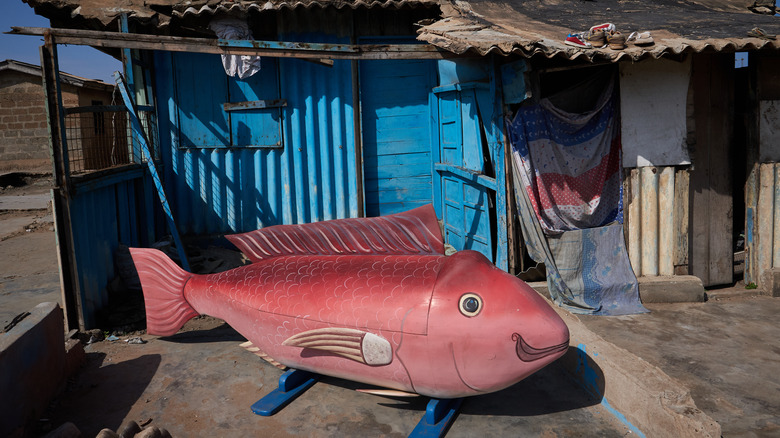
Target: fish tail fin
{"points": [[163, 283]]}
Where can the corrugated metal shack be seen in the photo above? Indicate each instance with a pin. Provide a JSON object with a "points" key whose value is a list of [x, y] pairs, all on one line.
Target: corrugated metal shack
{"points": [[369, 108]]}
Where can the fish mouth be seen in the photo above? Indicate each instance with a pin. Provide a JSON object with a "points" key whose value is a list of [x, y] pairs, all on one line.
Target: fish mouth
{"points": [[527, 353]]}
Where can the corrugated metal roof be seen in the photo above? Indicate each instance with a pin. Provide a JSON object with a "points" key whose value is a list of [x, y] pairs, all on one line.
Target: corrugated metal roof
{"points": [[184, 10], [160, 12], [67, 78], [524, 27], [534, 27]]}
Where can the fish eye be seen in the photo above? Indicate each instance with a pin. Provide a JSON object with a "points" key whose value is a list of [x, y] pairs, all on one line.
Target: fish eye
{"points": [[470, 304]]}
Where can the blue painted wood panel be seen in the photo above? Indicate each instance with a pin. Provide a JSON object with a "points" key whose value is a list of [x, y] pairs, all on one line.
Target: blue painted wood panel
{"points": [[467, 207], [396, 134]]}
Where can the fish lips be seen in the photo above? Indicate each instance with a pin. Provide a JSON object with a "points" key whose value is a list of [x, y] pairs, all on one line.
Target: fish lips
{"points": [[528, 353]]}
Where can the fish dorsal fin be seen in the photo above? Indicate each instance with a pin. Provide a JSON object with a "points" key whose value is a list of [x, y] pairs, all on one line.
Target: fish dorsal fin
{"points": [[254, 350], [356, 345], [409, 233], [384, 392]]}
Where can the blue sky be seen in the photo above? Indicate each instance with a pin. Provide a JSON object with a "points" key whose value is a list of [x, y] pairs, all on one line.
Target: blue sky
{"points": [[81, 61]]}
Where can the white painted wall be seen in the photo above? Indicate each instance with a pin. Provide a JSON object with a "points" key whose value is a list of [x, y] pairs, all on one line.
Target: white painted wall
{"points": [[769, 131], [653, 96]]}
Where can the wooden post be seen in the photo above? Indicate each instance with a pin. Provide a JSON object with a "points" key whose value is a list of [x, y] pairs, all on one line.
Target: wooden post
{"points": [[635, 223], [62, 191]]}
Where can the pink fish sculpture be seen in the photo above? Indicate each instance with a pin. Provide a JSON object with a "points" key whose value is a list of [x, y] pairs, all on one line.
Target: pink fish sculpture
{"points": [[424, 323]]}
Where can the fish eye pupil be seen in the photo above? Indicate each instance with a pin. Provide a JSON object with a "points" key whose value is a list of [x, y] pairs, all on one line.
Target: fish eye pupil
{"points": [[470, 305]]}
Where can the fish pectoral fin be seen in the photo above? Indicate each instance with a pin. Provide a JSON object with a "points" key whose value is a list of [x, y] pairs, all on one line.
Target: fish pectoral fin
{"points": [[388, 392], [248, 346], [356, 345]]}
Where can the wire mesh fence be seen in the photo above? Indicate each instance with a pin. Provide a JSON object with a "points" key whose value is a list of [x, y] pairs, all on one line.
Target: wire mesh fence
{"points": [[99, 137]]}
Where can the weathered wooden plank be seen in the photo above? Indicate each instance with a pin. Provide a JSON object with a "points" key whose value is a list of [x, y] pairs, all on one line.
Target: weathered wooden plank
{"points": [[710, 251], [721, 242], [255, 48], [467, 174], [751, 274], [765, 216], [776, 218], [681, 218], [666, 221], [635, 223], [254, 104], [62, 191], [649, 210]]}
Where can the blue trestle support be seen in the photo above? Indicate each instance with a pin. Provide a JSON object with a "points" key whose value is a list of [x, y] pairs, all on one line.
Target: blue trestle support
{"points": [[291, 384], [439, 416]]}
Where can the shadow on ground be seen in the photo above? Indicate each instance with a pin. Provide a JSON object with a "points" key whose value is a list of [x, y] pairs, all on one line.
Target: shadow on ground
{"points": [[102, 394]]}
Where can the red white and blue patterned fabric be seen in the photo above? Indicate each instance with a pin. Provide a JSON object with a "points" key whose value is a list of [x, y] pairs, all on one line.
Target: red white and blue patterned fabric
{"points": [[570, 163]]}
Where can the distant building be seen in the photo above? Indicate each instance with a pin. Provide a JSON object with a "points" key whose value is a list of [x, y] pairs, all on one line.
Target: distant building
{"points": [[24, 136]]}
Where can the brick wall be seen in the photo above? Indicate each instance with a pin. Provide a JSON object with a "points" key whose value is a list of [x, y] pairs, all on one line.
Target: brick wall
{"points": [[24, 135]]}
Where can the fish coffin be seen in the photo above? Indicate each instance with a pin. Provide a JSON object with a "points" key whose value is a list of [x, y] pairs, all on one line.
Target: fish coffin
{"points": [[438, 326]]}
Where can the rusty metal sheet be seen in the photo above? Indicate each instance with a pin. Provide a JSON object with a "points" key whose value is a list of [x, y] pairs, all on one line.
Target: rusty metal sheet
{"points": [[529, 28], [159, 13]]}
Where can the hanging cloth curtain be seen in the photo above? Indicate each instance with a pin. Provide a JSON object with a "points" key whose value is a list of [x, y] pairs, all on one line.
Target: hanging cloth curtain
{"points": [[568, 188], [570, 163]]}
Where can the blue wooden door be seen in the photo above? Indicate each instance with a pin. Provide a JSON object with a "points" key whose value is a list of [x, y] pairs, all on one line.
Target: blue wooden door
{"points": [[465, 157], [395, 117]]}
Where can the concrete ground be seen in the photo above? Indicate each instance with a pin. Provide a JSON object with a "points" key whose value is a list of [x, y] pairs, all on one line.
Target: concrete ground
{"points": [[726, 351], [200, 383]]}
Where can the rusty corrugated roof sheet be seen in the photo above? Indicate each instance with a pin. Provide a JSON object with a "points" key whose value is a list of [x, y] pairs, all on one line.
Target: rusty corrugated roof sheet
{"points": [[524, 27], [160, 12], [538, 28], [209, 8]]}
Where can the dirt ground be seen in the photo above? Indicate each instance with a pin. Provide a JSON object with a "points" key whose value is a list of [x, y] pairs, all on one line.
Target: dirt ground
{"points": [[29, 274]]}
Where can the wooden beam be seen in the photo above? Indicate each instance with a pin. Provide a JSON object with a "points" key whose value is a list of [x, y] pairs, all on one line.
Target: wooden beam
{"points": [[254, 104], [278, 49]]}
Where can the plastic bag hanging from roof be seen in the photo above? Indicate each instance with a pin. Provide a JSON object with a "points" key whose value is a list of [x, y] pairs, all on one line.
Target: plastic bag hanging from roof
{"points": [[234, 28]]}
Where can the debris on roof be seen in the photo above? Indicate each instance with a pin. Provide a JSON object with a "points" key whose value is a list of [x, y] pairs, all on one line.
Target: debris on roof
{"points": [[161, 12], [522, 27], [532, 27]]}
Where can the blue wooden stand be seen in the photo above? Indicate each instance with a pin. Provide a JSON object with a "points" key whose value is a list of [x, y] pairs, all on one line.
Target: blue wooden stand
{"points": [[439, 416], [291, 384]]}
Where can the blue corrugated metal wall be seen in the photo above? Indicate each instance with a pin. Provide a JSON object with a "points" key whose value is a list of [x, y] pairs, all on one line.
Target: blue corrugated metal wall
{"points": [[311, 177], [106, 212]]}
